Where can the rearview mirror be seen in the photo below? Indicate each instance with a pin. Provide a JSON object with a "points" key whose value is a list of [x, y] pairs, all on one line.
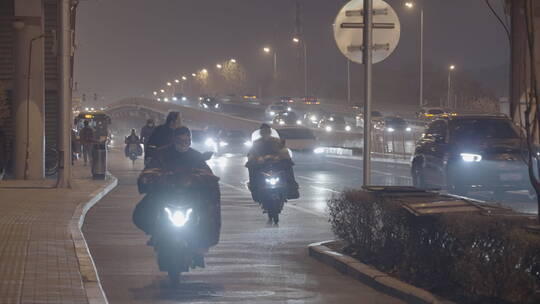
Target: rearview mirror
{"points": [[207, 155]]}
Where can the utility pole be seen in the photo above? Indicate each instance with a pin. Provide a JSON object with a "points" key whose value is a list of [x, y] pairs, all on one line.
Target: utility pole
{"points": [[64, 130], [367, 58]]}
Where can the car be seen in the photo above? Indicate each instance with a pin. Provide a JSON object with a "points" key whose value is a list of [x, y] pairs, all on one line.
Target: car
{"points": [[393, 124], [250, 98], [334, 122], [312, 118], [431, 113], [286, 118], [233, 141], [274, 109], [303, 144], [286, 99], [200, 141], [310, 100], [210, 103], [462, 153]]}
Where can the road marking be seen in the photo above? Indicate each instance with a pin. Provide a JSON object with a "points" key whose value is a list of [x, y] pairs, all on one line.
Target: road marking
{"points": [[375, 171], [312, 212], [324, 189], [308, 178], [234, 187]]}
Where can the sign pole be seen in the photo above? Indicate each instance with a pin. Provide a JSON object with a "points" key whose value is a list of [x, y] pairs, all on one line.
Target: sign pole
{"points": [[368, 65]]}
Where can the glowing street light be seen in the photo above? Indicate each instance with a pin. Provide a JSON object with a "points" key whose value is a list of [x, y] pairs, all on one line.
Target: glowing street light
{"points": [[155, 93], [204, 71], [268, 50], [162, 91], [232, 60], [177, 81], [451, 68], [169, 84], [193, 74], [219, 66], [184, 78], [298, 41], [410, 5]]}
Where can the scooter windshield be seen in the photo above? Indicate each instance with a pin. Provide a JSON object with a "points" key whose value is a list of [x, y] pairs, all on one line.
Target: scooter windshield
{"points": [[257, 134]]}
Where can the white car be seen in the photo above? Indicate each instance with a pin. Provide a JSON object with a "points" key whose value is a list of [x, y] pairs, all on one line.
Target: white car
{"points": [[303, 144], [274, 109]]}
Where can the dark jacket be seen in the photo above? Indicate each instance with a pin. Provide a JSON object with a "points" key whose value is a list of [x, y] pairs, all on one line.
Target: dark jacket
{"points": [[146, 132], [161, 136]]}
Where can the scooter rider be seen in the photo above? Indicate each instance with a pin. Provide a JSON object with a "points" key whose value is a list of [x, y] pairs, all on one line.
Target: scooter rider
{"points": [[163, 134], [180, 157], [133, 139], [265, 149], [146, 131]]}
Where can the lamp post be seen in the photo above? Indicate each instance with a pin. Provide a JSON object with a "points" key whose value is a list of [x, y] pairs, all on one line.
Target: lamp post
{"points": [[410, 5], [303, 42], [451, 68], [268, 50]]}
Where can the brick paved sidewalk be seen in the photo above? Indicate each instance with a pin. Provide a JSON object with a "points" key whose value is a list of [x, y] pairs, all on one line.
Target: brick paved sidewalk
{"points": [[42, 250]]}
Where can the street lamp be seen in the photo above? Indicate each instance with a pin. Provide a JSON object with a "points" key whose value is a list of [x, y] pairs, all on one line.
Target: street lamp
{"points": [[184, 78], [410, 5], [302, 41], [169, 84], [155, 93], [193, 74], [268, 50], [162, 91], [177, 81], [451, 68], [232, 60], [219, 66]]}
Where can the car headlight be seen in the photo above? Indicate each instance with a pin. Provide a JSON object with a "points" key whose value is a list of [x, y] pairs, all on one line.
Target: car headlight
{"points": [[248, 143], [313, 118], [289, 109], [281, 122], [470, 157], [348, 128], [390, 130], [328, 129], [210, 142], [409, 129], [174, 98], [184, 98], [299, 122], [272, 113], [318, 150], [178, 218], [205, 106], [223, 143], [272, 181]]}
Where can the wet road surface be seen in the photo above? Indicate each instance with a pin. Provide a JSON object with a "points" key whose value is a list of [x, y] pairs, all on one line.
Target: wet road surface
{"points": [[253, 263]]}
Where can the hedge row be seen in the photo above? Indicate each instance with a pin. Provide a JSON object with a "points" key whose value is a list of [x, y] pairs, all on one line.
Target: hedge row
{"points": [[469, 258]]}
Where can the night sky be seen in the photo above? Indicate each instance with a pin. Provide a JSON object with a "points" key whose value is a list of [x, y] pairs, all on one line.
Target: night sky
{"points": [[131, 47]]}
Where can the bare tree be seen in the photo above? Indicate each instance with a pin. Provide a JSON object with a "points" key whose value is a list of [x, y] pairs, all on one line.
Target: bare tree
{"points": [[532, 106]]}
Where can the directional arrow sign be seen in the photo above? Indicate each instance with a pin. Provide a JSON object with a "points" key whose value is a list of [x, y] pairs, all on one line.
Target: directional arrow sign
{"points": [[349, 25]]}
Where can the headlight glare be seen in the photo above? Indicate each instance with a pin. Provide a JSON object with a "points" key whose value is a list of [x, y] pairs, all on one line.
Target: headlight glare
{"points": [[318, 150], [272, 181], [178, 218], [210, 142], [348, 128], [470, 157]]}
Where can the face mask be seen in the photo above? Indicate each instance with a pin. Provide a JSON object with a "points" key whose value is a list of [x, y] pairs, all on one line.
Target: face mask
{"points": [[181, 148]]}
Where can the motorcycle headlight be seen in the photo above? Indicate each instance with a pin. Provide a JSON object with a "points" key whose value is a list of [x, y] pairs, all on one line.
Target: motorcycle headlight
{"points": [[272, 181], [272, 113], [328, 129], [470, 157], [313, 118], [205, 106], [178, 218], [281, 122], [390, 129], [216, 106], [210, 142]]}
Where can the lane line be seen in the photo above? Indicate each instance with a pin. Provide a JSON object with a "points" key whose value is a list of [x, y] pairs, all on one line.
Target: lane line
{"points": [[375, 171], [312, 212], [324, 189]]}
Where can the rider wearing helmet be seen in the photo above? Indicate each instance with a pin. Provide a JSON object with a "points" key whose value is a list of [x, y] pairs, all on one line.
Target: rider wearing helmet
{"points": [[133, 139]]}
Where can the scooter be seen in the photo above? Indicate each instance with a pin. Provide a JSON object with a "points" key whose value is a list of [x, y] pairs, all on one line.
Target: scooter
{"points": [[272, 192]]}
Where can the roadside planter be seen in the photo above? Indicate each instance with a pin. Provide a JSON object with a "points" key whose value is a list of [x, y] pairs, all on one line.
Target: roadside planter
{"points": [[459, 249]]}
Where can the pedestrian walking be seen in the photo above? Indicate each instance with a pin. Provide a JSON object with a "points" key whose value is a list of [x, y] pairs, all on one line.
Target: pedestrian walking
{"points": [[86, 136]]}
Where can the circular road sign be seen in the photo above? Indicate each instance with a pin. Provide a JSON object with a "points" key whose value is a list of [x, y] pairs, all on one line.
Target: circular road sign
{"points": [[348, 30]]}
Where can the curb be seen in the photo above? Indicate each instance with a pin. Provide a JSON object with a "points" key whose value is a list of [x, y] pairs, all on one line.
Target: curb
{"points": [[89, 275], [371, 276]]}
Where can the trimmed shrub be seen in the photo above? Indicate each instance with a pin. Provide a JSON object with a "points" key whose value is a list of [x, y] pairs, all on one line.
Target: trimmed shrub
{"points": [[466, 257]]}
